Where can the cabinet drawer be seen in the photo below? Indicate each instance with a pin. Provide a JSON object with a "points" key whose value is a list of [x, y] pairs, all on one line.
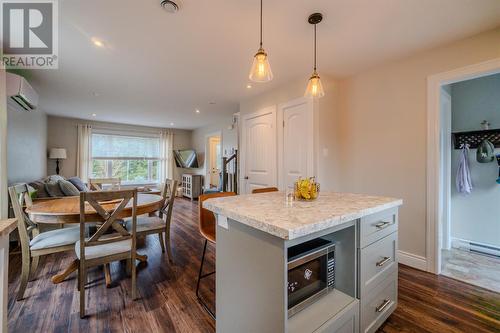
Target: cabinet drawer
{"points": [[377, 262], [378, 304], [376, 226], [346, 321]]}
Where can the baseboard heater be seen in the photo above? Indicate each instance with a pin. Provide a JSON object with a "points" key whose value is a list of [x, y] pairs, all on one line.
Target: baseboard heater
{"points": [[474, 247]]}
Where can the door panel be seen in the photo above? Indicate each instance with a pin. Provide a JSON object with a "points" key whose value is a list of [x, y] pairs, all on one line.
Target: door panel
{"points": [[297, 141], [259, 133]]}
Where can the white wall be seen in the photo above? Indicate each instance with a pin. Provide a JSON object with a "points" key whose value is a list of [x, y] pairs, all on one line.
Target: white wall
{"points": [[327, 136], [476, 217], [62, 133], [383, 129], [3, 146], [27, 145]]}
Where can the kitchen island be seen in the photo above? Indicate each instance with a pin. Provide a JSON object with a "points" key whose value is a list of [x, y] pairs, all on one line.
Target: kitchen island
{"points": [[258, 238]]}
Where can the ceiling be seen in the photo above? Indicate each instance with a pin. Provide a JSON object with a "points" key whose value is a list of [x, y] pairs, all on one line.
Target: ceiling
{"points": [[157, 68]]}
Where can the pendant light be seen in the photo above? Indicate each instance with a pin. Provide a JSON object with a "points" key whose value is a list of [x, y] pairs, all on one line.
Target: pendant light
{"points": [[314, 87], [261, 70]]}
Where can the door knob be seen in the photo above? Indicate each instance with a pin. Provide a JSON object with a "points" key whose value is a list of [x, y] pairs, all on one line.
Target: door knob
{"points": [[246, 177]]}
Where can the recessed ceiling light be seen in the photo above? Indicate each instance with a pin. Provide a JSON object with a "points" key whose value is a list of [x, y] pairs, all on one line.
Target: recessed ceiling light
{"points": [[197, 111], [170, 6], [95, 94], [171, 124], [93, 114], [249, 86], [97, 42]]}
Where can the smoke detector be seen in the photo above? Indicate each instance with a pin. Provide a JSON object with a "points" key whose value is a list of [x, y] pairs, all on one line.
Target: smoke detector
{"points": [[169, 6]]}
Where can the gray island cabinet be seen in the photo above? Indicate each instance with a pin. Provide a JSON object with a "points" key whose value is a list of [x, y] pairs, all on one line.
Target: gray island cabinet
{"points": [[257, 234]]}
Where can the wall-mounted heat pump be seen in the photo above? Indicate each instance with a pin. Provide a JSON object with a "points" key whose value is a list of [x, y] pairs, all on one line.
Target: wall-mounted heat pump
{"points": [[20, 94]]}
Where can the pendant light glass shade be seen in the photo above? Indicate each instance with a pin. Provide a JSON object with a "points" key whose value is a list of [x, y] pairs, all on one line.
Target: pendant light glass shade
{"points": [[261, 70], [314, 87]]}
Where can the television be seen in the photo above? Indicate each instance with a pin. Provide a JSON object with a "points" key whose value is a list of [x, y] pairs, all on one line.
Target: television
{"points": [[186, 158]]}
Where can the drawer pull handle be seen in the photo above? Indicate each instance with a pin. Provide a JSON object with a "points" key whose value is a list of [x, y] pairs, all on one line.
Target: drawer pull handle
{"points": [[382, 306], [383, 261], [382, 225]]}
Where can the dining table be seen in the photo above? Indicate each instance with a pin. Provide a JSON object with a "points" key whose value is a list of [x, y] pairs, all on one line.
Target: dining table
{"points": [[66, 210]]}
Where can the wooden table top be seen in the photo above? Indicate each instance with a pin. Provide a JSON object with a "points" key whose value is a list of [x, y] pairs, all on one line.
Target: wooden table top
{"points": [[67, 210], [6, 226]]}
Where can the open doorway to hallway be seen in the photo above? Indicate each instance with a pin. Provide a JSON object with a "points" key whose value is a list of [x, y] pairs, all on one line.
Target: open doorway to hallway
{"points": [[470, 181], [213, 162]]}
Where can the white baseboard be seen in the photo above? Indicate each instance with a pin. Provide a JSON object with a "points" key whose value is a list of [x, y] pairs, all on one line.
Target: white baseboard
{"points": [[412, 260]]}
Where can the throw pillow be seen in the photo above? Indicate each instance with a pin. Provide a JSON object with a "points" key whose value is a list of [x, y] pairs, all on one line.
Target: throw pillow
{"points": [[54, 178], [78, 184], [53, 189], [39, 187], [68, 188]]}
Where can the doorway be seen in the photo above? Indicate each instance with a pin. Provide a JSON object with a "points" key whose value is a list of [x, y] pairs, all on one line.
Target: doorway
{"points": [[460, 239], [213, 163]]}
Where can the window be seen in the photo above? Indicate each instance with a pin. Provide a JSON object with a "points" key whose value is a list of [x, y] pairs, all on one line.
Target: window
{"points": [[133, 159]]}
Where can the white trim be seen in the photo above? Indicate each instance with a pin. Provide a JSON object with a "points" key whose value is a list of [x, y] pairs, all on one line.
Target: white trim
{"points": [[244, 118], [434, 83], [308, 135], [446, 170], [412, 260]]}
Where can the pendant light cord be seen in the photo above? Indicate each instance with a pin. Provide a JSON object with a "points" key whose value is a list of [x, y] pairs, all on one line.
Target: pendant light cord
{"points": [[315, 48], [260, 23]]}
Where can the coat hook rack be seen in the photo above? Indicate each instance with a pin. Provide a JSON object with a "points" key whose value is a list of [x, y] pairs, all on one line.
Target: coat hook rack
{"points": [[474, 138]]}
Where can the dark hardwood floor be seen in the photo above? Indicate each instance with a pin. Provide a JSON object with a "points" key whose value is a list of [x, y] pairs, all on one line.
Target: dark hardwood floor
{"points": [[427, 303]]}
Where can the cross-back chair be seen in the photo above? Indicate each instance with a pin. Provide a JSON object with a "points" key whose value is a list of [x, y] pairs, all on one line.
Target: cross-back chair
{"points": [[147, 225], [33, 243], [103, 247], [97, 184]]}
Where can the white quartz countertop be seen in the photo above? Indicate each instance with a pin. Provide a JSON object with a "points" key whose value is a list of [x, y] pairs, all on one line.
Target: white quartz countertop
{"points": [[269, 213]]}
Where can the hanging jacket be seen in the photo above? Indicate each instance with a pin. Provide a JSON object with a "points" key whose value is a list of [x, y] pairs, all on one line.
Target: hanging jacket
{"points": [[463, 180]]}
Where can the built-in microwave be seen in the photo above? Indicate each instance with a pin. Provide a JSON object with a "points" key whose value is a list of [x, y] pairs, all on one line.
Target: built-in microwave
{"points": [[311, 273]]}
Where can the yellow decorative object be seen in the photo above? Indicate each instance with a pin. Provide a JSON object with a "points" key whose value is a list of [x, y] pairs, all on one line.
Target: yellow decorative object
{"points": [[306, 189]]}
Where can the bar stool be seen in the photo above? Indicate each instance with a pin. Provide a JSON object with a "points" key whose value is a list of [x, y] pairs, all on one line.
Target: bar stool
{"points": [[264, 190], [207, 226]]}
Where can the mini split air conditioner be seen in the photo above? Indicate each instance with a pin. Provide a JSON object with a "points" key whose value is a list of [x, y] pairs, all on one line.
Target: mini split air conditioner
{"points": [[21, 96]]}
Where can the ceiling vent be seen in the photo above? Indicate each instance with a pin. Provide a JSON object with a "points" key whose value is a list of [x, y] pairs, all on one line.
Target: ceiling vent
{"points": [[170, 6]]}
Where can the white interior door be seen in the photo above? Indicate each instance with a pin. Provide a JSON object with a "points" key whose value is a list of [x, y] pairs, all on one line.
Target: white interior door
{"points": [[215, 160], [259, 159], [298, 141]]}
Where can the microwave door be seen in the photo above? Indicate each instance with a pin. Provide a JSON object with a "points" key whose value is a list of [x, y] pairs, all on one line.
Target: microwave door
{"points": [[306, 277]]}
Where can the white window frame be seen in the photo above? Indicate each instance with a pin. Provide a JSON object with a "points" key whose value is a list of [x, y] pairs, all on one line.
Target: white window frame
{"points": [[108, 166]]}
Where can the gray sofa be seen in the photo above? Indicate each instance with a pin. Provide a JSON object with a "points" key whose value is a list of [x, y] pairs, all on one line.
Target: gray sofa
{"points": [[56, 186]]}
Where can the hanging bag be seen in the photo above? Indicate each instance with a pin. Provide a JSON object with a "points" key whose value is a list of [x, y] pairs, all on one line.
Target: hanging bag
{"points": [[485, 152]]}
